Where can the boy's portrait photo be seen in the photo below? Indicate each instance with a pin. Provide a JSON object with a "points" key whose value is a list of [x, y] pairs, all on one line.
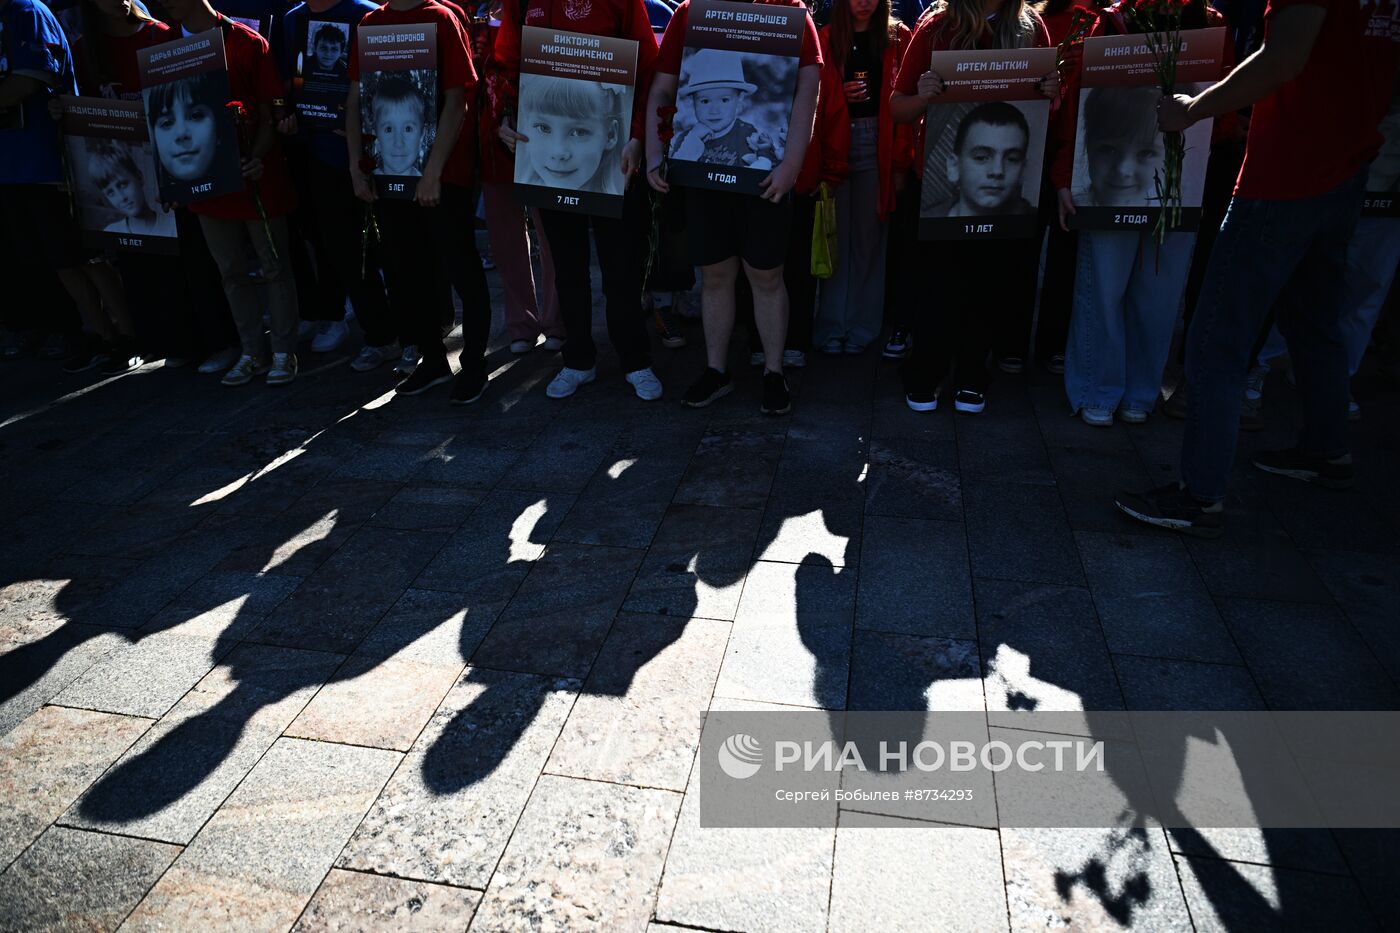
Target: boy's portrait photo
{"points": [[399, 116], [327, 50], [193, 134], [988, 162], [733, 108], [1119, 149], [982, 159], [116, 188], [575, 131]]}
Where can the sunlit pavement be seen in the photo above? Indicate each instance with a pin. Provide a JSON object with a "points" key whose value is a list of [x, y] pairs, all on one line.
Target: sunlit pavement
{"points": [[325, 658]]}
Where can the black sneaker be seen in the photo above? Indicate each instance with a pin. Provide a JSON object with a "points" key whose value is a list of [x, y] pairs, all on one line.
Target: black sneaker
{"points": [[711, 386], [468, 388], [1014, 365], [123, 358], [90, 353], [1173, 508], [777, 400], [428, 373], [969, 401], [897, 347], [1293, 463]]}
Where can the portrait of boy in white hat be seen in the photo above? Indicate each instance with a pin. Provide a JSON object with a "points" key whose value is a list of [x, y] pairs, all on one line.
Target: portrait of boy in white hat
{"points": [[717, 89]]}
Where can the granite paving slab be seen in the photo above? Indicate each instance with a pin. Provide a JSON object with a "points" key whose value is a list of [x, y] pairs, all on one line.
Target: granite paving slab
{"points": [[431, 627], [378, 702], [696, 563], [627, 498], [914, 578], [731, 468], [48, 760], [914, 478], [1151, 599], [336, 606], [1367, 587], [639, 717], [146, 677], [352, 900], [427, 508], [180, 772], [585, 856], [562, 611], [38, 659], [1091, 879], [1019, 532], [893, 672], [224, 604], [1237, 896], [892, 874], [474, 765], [791, 637], [491, 553], [70, 880], [261, 857]]}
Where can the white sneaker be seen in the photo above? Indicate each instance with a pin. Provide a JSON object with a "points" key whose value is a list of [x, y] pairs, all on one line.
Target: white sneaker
{"points": [[554, 344], [329, 336], [244, 370], [371, 358], [794, 359], [284, 369], [408, 362], [568, 381], [219, 362], [521, 346], [645, 382]]}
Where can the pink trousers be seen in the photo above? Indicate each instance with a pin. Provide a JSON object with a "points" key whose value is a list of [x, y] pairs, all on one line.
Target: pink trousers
{"points": [[531, 308]]}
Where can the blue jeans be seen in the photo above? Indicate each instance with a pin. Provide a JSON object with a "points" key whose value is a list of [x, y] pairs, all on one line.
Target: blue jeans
{"points": [[1289, 257], [1127, 294]]}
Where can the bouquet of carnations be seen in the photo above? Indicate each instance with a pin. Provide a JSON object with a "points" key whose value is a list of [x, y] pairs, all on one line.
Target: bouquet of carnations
{"points": [[1159, 22]]}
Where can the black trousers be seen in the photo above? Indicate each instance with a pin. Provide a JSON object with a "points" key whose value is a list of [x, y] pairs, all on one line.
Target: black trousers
{"points": [[620, 244], [956, 324], [671, 269], [797, 276], [344, 267], [427, 251], [906, 286], [1056, 291]]}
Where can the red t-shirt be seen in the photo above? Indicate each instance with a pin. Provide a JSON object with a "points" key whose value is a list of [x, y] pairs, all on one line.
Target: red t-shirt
{"points": [[673, 43], [106, 65], [252, 80], [455, 69], [624, 19], [1319, 129]]}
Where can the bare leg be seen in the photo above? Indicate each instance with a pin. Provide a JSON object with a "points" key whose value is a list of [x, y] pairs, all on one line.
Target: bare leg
{"points": [[770, 312], [717, 310]]}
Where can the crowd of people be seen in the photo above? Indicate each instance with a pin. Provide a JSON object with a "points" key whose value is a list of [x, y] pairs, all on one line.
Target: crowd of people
{"points": [[1281, 262]]}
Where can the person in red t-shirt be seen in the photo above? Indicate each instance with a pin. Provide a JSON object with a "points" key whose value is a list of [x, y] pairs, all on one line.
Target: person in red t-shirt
{"points": [[428, 243], [980, 283], [727, 228], [233, 221], [620, 243], [1319, 85]]}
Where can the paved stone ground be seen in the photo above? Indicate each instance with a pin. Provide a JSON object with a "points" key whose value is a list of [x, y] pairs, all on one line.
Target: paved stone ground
{"points": [[325, 659]]}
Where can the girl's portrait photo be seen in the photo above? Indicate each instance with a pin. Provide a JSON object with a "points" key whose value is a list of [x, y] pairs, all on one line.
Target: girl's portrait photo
{"points": [[398, 113], [575, 131], [1119, 150], [189, 127], [117, 176]]}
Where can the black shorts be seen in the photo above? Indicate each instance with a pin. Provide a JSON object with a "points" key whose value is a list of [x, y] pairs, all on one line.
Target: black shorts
{"points": [[721, 224], [40, 225]]}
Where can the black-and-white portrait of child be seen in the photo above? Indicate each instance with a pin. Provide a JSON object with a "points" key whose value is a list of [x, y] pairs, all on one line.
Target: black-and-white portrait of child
{"points": [[327, 50], [116, 188], [192, 132], [983, 159], [575, 131], [398, 108], [733, 108], [1119, 149]]}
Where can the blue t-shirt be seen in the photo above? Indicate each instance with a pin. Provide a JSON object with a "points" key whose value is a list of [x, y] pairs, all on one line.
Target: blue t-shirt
{"points": [[32, 44], [326, 147]]}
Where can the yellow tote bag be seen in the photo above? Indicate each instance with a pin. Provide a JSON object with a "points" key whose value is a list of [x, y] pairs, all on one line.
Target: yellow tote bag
{"points": [[824, 234]]}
